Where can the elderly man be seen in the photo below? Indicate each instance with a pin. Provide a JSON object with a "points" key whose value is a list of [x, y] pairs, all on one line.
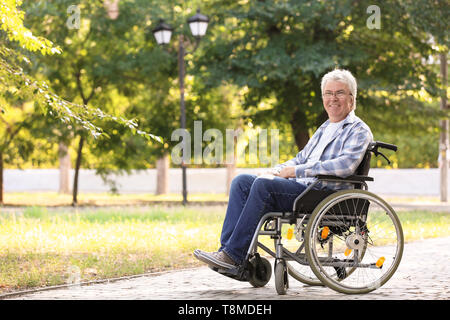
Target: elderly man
{"points": [[336, 148]]}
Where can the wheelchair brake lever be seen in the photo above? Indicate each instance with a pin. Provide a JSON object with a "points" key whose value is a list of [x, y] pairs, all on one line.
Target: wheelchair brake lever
{"points": [[378, 153]]}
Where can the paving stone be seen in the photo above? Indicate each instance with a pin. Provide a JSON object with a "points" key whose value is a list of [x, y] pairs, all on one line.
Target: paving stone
{"points": [[423, 274]]}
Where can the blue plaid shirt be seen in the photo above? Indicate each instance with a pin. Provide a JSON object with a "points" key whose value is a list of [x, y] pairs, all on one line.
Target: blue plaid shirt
{"points": [[340, 157]]}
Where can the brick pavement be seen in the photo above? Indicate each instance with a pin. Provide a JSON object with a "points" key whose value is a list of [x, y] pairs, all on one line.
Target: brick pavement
{"points": [[424, 273]]}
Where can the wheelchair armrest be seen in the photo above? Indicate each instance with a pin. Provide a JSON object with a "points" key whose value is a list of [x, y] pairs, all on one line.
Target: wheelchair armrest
{"points": [[356, 178], [310, 198]]}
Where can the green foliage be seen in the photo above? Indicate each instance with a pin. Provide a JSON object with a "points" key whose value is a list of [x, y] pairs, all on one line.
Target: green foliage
{"points": [[414, 151], [260, 64], [16, 81], [117, 64], [432, 18], [12, 23], [279, 50]]}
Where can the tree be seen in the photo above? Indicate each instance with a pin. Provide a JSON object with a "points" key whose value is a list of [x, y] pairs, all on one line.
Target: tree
{"points": [[432, 21], [105, 61], [24, 133], [279, 50], [96, 57], [14, 80]]}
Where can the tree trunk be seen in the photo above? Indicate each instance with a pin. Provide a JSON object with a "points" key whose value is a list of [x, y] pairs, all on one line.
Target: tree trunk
{"points": [[231, 173], [444, 143], [1, 178], [231, 167], [77, 170], [323, 116], [299, 129], [64, 169], [162, 175], [86, 100]]}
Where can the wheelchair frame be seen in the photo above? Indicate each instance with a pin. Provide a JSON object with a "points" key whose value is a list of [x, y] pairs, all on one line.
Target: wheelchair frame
{"points": [[258, 272]]}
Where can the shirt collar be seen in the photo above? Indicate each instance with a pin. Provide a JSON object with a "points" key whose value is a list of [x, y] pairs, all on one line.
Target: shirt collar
{"points": [[350, 118]]}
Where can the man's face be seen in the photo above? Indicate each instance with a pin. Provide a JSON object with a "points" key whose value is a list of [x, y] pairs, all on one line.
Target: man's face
{"points": [[337, 100]]}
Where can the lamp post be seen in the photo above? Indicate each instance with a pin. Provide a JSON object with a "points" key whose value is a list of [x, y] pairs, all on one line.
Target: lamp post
{"points": [[163, 32]]}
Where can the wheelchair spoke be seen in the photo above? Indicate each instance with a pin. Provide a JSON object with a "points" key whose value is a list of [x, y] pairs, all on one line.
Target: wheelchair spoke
{"points": [[365, 241], [297, 265]]}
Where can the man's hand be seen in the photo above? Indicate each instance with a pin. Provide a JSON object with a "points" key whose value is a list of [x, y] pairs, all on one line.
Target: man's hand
{"points": [[286, 172], [270, 172]]}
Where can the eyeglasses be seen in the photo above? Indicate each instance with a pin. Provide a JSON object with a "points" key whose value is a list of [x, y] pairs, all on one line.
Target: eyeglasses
{"points": [[339, 94]]}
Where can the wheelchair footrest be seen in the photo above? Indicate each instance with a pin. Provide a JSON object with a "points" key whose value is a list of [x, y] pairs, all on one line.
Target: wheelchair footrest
{"points": [[237, 273]]}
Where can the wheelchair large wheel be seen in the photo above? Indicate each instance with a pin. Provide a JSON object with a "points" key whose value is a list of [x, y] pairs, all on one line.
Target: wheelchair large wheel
{"points": [[302, 273], [354, 241]]}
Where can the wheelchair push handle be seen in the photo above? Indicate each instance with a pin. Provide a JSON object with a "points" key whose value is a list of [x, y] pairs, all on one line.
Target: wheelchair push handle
{"points": [[373, 147], [385, 145]]}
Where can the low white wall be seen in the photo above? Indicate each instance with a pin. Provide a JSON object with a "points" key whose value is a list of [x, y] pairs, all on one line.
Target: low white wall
{"points": [[395, 182]]}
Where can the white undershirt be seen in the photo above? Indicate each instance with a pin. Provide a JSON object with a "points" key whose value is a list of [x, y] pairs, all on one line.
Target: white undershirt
{"points": [[325, 138], [327, 134]]}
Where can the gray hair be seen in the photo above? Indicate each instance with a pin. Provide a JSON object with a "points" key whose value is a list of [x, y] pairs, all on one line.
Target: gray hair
{"points": [[343, 76]]}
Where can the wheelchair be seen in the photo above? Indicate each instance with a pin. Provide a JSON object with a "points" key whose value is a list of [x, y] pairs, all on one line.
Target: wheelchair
{"points": [[349, 240]]}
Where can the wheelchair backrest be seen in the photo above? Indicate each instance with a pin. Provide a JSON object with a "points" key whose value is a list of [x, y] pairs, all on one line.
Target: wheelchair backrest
{"points": [[312, 198], [364, 166]]}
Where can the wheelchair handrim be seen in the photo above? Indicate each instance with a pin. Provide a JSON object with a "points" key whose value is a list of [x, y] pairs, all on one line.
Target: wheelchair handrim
{"points": [[312, 233]]}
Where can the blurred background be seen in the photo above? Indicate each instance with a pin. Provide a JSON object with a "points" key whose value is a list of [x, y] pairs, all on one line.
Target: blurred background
{"points": [[100, 99], [257, 68]]}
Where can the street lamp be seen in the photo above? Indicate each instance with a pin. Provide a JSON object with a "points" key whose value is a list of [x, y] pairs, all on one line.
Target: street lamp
{"points": [[163, 32], [198, 24]]}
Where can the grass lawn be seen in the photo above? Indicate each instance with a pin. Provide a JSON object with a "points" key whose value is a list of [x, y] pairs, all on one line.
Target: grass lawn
{"points": [[51, 199], [46, 246]]}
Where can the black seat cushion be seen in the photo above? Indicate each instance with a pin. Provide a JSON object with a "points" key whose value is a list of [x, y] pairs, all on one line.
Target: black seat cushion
{"points": [[311, 199]]}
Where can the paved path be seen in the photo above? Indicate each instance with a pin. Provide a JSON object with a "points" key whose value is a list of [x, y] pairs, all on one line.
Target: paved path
{"points": [[424, 273]]}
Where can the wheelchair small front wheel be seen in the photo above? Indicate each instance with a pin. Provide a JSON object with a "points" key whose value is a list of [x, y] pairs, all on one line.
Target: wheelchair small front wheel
{"points": [[281, 277], [300, 270], [260, 271], [354, 241]]}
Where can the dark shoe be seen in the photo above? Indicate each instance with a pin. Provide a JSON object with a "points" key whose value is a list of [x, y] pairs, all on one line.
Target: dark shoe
{"points": [[218, 259]]}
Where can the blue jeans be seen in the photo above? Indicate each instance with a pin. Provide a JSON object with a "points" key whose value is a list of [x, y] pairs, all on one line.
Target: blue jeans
{"points": [[250, 198]]}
